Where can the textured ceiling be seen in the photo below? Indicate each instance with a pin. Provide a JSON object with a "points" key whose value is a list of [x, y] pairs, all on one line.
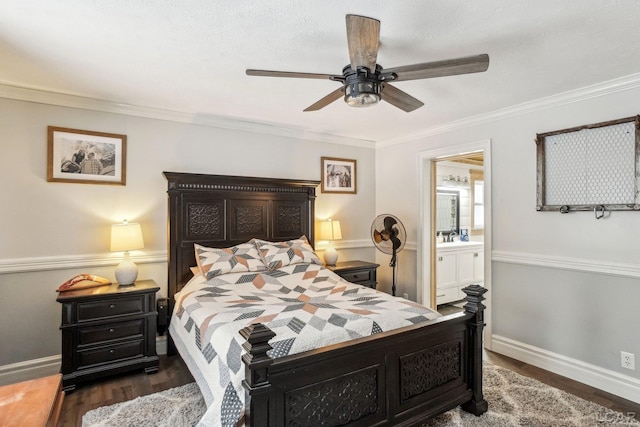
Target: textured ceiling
{"points": [[190, 56]]}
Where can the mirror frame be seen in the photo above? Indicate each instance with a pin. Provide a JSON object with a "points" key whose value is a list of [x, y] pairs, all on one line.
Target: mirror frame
{"points": [[457, 197]]}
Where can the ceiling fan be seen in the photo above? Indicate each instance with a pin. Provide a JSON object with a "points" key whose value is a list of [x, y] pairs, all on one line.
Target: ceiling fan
{"points": [[364, 82]]}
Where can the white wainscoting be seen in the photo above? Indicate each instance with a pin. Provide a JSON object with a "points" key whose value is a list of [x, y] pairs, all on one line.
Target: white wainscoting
{"points": [[595, 376], [610, 381]]}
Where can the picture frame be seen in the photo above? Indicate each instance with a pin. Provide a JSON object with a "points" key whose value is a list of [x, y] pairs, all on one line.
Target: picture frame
{"points": [[338, 175], [86, 157]]}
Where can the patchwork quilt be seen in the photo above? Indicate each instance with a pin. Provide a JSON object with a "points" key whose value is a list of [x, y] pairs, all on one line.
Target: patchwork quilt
{"points": [[306, 305]]}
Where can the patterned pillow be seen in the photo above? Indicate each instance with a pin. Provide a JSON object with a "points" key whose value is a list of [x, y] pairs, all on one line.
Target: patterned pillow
{"points": [[280, 254], [237, 259]]}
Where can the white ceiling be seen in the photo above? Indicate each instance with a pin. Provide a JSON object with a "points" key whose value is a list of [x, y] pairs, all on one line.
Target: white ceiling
{"points": [[190, 56]]}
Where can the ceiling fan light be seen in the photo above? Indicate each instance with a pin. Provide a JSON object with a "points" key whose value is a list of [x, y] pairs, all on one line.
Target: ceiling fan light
{"points": [[362, 100], [362, 94]]}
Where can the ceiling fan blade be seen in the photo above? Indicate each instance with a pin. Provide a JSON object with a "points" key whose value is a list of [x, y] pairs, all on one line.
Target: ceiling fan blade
{"points": [[267, 73], [400, 99], [449, 67], [336, 94], [363, 38]]}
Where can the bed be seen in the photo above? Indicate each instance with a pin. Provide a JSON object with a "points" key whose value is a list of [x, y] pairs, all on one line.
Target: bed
{"points": [[377, 374]]}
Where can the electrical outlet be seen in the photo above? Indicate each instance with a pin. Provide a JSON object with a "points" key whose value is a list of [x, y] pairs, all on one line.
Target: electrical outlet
{"points": [[628, 360]]}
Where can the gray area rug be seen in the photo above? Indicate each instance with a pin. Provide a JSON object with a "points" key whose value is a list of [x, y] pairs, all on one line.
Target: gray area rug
{"points": [[514, 400]]}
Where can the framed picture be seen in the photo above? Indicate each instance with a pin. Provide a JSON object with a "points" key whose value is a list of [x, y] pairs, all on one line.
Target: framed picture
{"points": [[338, 175], [86, 157]]}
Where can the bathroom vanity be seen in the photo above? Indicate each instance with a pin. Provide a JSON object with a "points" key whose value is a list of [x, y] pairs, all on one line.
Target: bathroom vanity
{"points": [[458, 264]]}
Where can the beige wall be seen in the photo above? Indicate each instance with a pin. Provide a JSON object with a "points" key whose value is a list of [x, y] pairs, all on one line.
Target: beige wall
{"points": [[565, 287], [51, 231]]}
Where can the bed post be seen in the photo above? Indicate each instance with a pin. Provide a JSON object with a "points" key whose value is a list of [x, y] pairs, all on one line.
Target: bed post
{"points": [[256, 382], [477, 405]]}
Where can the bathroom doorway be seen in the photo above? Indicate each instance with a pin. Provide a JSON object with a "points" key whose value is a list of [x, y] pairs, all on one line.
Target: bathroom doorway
{"points": [[462, 175], [459, 228]]}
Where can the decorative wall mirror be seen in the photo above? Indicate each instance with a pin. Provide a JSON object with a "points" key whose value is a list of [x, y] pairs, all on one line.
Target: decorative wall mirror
{"points": [[447, 212]]}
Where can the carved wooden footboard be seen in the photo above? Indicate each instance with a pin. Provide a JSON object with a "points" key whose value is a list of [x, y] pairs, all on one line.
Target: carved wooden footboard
{"points": [[396, 378]]}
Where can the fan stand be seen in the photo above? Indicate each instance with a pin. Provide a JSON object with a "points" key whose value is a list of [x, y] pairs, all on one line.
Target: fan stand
{"points": [[394, 273], [393, 286]]}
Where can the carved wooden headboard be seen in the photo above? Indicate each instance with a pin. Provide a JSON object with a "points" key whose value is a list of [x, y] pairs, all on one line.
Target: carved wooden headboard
{"points": [[221, 211]]}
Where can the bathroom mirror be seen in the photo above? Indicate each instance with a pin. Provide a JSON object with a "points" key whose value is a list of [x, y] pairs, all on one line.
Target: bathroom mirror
{"points": [[447, 212]]}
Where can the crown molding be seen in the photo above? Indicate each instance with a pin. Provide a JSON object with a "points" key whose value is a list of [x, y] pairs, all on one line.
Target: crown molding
{"points": [[600, 89], [74, 101]]}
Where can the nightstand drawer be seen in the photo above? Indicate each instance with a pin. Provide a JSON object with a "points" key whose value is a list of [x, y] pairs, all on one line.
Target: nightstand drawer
{"points": [[112, 331], [111, 353], [110, 307], [358, 276]]}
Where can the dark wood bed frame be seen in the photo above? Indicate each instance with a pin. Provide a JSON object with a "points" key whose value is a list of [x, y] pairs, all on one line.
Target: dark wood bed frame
{"points": [[396, 378]]}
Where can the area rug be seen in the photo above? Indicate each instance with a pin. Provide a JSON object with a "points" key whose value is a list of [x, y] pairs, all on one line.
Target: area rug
{"points": [[514, 400]]}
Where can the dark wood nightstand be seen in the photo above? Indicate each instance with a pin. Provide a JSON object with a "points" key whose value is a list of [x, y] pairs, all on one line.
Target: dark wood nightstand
{"points": [[358, 272], [107, 330]]}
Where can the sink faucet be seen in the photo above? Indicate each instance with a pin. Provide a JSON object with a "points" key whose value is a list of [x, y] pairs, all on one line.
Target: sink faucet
{"points": [[452, 235]]}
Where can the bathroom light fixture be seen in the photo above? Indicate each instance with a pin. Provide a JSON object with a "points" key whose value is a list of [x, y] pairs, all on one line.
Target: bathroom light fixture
{"points": [[455, 181], [126, 237], [330, 230]]}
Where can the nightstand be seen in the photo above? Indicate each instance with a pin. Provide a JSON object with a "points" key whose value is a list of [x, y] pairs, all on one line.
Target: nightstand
{"points": [[108, 330], [358, 272]]}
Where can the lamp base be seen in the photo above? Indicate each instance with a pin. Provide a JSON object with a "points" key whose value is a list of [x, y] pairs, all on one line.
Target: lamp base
{"points": [[330, 256], [126, 272]]}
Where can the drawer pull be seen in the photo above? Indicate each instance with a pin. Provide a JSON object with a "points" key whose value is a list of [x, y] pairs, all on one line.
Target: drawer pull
{"points": [[112, 306], [440, 296], [111, 330], [439, 258], [112, 351]]}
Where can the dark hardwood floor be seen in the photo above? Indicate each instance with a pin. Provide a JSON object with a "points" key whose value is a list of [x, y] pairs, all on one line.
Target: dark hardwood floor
{"points": [[570, 386], [107, 391], [174, 373]]}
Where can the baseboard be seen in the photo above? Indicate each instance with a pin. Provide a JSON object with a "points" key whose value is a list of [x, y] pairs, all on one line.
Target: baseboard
{"points": [[30, 369], [594, 376], [36, 368]]}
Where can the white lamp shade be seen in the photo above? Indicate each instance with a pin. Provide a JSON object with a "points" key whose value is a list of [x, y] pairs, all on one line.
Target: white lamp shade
{"points": [[330, 230], [126, 237]]}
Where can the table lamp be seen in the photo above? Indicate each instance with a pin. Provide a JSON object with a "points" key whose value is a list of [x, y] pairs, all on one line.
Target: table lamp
{"points": [[126, 237], [330, 230]]}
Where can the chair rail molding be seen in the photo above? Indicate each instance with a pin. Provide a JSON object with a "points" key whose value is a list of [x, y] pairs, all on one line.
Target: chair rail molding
{"points": [[23, 265], [567, 263]]}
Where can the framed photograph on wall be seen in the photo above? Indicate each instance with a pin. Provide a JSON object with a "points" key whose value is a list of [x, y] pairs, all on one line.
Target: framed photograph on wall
{"points": [[86, 157], [338, 175]]}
